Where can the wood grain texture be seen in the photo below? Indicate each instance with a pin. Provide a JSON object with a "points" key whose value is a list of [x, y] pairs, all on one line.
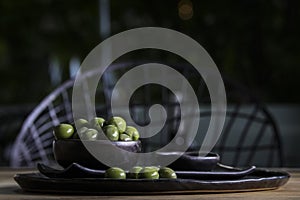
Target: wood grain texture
{"points": [[9, 190]]}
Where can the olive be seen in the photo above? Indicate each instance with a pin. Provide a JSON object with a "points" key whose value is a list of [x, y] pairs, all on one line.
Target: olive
{"points": [[82, 130], [135, 136], [97, 123], [79, 132], [124, 137], [115, 172], [89, 134], [132, 132], [166, 172], [81, 123], [119, 122], [134, 172], [149, 173], [63, 131], [111, 132]]}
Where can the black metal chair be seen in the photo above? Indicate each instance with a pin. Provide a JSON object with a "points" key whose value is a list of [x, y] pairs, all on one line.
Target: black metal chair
{"points": [[34, 143], [11, 118], [250, 135]]}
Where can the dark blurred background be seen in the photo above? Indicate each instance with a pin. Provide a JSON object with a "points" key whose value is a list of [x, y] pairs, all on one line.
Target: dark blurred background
{"points": [[254, 42]]}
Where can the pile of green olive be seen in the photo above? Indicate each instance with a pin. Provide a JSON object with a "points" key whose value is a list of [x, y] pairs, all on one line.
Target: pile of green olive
{"points": [[138, 172], [115, 129]]}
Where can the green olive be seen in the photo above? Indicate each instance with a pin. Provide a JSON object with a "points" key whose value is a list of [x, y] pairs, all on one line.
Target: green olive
{"points": [[124, 137], [89, 134], [115, 172], [111, 132], [135, 136], [132, 132], [82, 130], [134, 172], [119, 122], [79, 132], [149, 173], [63, 131], [97, 123], [166, 172], [81, 123]]}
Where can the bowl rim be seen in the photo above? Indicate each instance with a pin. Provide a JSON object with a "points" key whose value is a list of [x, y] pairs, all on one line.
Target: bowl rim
{"points": [[93, 141], [192, 154]]}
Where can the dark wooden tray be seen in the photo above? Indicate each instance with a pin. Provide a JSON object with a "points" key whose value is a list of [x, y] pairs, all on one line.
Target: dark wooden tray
{"points": [[256, 180]]}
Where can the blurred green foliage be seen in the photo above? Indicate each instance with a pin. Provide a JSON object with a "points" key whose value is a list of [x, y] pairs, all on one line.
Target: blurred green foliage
{"points": [[255, 42]]}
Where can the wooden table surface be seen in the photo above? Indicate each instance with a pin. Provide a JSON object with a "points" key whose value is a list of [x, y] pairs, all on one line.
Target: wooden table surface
{"points": [[10, 190]]}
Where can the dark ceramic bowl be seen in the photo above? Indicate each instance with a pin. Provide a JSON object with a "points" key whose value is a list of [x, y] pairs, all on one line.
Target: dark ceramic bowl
{"points": [[71, 151], [191, 161]]}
